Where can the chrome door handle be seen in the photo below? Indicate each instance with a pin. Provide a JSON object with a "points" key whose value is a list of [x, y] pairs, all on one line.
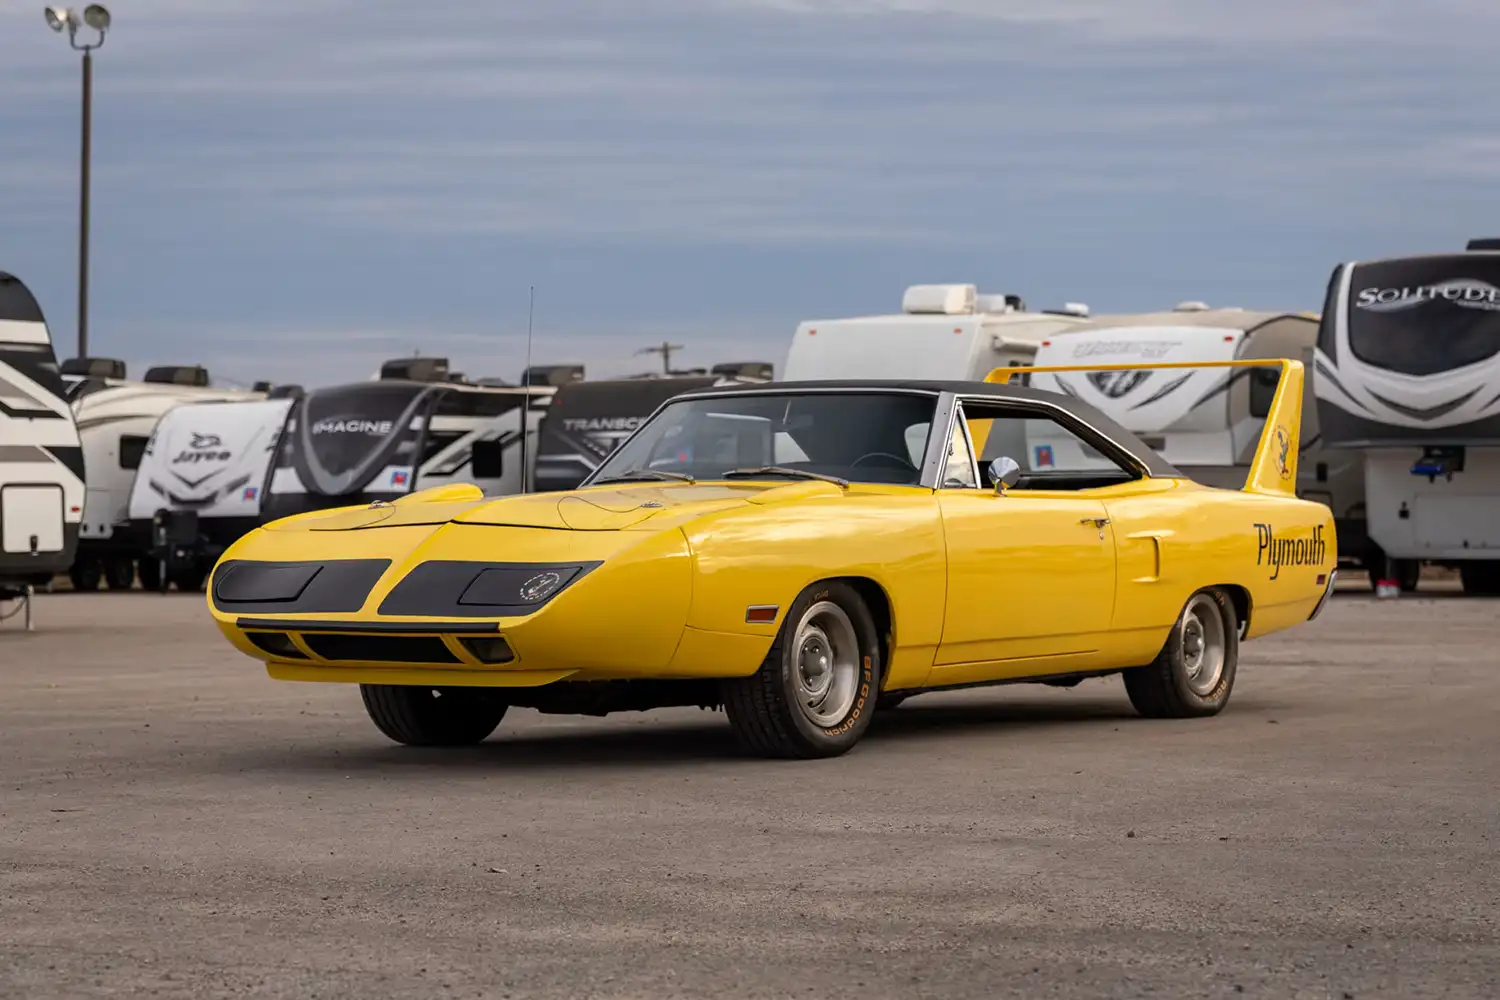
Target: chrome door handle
{"points": [[1098, 522]]}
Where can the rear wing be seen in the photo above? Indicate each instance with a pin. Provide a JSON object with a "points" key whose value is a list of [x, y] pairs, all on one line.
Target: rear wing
{"points": [[1274, 468]]}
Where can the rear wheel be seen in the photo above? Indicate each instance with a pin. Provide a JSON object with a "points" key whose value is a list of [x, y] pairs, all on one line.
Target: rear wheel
{"points": [[187, 577], [1480, 577], [433, 717], [119, 573], [1194, 672], [150, 572], [815, 693], [86, 574]]}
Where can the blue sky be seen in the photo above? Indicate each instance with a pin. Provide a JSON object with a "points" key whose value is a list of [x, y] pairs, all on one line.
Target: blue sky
{"points": [[295, 191]]}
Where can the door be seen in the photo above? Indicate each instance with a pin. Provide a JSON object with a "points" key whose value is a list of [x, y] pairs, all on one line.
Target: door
{"points": [[1028, 576], [1031, 571]]}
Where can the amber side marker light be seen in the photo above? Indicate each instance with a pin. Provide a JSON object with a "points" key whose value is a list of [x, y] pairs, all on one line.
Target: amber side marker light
{"points": [[762, 614]]}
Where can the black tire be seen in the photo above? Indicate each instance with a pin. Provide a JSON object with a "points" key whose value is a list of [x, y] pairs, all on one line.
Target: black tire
{"points": [[1165, 689], [433, 717], [1480, 577], [150, 573], [119, 573], [188, 577], [765, 709], [86, 575]]}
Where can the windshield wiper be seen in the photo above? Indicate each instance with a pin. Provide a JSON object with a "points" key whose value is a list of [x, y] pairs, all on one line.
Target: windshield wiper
{"points": [[636, 474], [781, 470]]}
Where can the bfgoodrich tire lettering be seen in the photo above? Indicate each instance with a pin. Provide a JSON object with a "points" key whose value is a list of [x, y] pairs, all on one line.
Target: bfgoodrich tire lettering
{"points": [[433, 717], [815, 693], [1193, 674]]}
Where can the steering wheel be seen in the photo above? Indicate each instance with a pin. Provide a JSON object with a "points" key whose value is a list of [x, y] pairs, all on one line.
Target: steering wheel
{"points": [[900, 459]]}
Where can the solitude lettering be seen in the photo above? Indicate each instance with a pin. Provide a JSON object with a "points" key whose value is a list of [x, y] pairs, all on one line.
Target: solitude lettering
{"points": [[1277, 552]]}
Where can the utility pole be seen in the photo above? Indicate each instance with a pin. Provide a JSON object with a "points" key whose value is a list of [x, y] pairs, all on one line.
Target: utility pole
{"points": [[60, 19], [665, 349]]}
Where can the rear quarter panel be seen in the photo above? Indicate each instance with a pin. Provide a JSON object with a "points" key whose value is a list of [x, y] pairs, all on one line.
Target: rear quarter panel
{"points": [[769, 555], [1172, 542]]}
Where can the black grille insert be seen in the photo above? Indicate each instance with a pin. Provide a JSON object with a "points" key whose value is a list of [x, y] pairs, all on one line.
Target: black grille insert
{"points": [[380, 648], [278, 644]]}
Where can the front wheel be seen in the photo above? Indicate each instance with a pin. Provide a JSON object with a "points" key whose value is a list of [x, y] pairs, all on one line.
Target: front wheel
{"points": [[433, 717], [815, 693], [1194, 672]]}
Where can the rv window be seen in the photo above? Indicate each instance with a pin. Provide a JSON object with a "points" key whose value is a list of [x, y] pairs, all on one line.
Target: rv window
{"points": [[1263, 382], [132, 449], [486, 461], [437, 441]]}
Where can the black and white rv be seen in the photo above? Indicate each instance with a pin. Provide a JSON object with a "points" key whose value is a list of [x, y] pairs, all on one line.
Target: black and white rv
{"points": [[585, 421], [1407, 374], [1205, 421], [116, 417], [41, 460], [206, 466], [378, 440]]}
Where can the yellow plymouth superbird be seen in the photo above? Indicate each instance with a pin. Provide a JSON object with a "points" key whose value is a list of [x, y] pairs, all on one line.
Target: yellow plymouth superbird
{"points": [[799, 554]]}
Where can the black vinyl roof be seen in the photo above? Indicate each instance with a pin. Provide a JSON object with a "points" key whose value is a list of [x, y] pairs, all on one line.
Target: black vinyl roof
{"points": [[1157, 466]]}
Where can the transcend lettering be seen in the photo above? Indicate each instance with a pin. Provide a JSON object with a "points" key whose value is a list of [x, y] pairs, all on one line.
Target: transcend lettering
{"points": [[602, 423], [1277, 552]]}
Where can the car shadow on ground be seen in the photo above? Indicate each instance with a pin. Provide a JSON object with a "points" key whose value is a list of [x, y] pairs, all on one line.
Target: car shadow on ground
{"points": [[647, 742]]}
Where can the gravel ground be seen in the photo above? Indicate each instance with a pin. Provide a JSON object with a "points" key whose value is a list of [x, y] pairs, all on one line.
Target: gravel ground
{"points": [[174, 824]]}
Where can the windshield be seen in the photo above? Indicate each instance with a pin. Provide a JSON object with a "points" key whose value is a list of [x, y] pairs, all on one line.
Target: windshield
{"points": [[866, 437], [1425, 315]]}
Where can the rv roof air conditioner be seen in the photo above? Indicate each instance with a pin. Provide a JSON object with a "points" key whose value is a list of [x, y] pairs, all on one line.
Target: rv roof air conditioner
{"points": [[1485, 243], [194, 375], [552, 374], [1190, 306], [940, 300], [996, 303], [93, 367], [1079, 309], [415, 369], [762, 370]]}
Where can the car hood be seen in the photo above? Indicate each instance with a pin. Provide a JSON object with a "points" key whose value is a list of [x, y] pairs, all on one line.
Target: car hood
{"points": [[643, 506]]}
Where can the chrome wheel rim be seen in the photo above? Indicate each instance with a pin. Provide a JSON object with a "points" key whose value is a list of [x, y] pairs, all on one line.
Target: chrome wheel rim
{"points": [[825, 664], [1203, 644]]}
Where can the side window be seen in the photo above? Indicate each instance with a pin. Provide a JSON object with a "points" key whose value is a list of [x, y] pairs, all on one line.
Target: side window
{"points": [[1263, 383], [960, 473], [132, 450], [1051, 454]]}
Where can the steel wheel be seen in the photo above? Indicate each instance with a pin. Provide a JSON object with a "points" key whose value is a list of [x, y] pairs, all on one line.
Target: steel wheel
{"points": [[826, 667], [1203, 645]]}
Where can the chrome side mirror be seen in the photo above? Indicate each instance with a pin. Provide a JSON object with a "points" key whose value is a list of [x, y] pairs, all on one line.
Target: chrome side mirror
{"points": [[1004, 473]]}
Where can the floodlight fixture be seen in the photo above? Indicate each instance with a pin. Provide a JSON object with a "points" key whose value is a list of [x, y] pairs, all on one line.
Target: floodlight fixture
{"points": [[96, 16]]}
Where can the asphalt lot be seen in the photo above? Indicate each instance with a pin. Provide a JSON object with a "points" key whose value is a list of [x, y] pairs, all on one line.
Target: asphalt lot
{"points": [[174, 824]]}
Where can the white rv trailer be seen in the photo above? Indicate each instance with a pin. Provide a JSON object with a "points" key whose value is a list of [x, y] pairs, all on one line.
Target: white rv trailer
{"points": [[1407, 375], [116, 417], [41, 459], [212, 459], [942, 332], [1204, 421]]}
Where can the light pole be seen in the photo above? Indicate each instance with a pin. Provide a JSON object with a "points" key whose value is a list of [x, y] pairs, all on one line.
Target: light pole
{"points": [[95, 16]]}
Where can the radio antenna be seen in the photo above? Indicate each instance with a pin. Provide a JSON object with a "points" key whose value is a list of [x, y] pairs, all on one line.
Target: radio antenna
{"points": [[526, 382]]}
